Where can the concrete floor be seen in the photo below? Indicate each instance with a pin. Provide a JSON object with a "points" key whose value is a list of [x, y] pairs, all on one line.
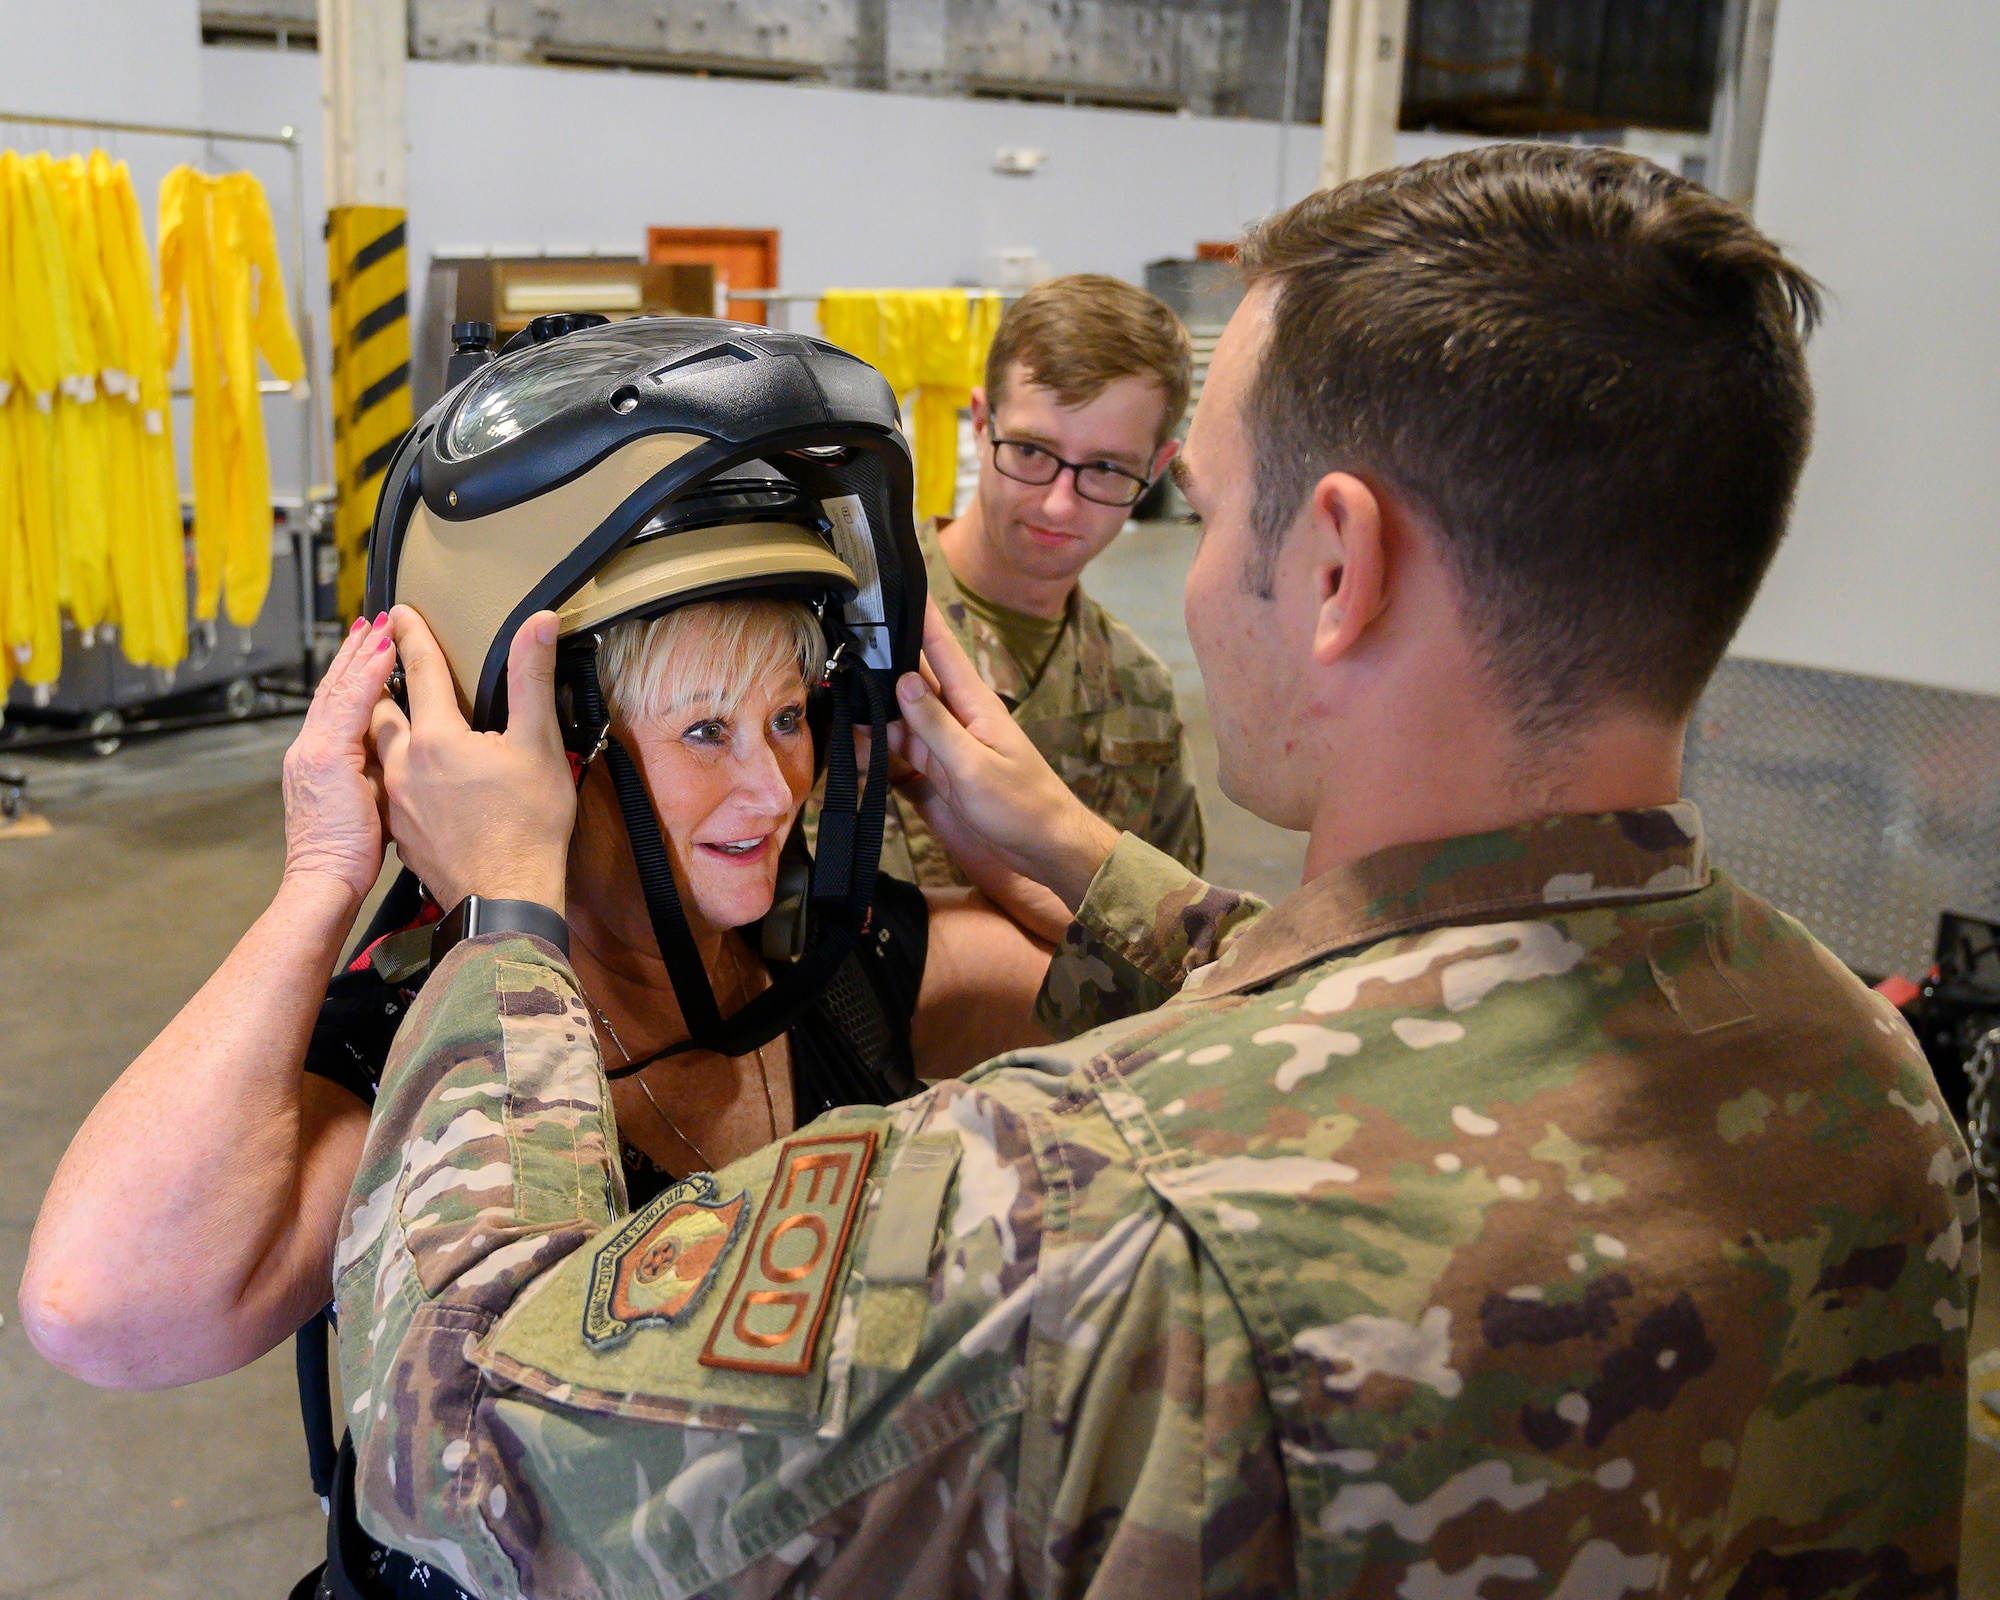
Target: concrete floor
{"points": [[160, 857]]}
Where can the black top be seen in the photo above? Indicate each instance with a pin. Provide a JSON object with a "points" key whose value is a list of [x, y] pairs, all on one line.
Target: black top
{"points": [[852, 1047]]}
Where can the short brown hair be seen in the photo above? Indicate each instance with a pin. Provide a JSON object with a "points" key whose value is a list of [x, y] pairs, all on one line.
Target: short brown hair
{"points": [[1078, 334], [1589, 373]]}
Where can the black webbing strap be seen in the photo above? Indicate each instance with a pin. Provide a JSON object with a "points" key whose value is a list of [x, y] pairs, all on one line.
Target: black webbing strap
{"points": [[656, 878], [850, 821], [316, 1402], [833, 859], [841, 893]]}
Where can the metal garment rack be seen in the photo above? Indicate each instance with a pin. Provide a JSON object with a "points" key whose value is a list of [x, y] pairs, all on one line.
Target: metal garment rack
{"points": [[312, 442], [311, 464]]}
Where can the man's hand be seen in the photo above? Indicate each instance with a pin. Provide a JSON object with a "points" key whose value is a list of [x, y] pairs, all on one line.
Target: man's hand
{"points": [[985, 787], [479, 813], [333, 794]]}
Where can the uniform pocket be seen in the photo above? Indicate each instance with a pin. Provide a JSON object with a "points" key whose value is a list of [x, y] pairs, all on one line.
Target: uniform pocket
{"points": [[1134, 736]]}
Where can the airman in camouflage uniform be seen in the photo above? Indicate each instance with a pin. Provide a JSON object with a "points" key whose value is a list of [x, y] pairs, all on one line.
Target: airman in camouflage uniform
{"points": [[1536, 1209], [1101, 710], [1518, 1211], [1090, 371]]}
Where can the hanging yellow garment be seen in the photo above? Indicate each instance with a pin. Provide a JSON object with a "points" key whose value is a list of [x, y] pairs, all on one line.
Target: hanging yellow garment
{"points": [[218, 251], [149, 581], [11, 549], [82, 443], [30, 612], [161, 486], [58, 352], [930, 341]]}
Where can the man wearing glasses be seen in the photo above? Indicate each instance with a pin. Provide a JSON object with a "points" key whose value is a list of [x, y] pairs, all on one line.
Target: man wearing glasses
{"points": [[1085, 384]]}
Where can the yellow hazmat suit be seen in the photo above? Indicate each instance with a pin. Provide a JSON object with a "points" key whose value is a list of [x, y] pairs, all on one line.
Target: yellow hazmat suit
{"points": [[28, 612], [148, 568], [11, 548], [218, 251], [83, 518], [933, 341]]}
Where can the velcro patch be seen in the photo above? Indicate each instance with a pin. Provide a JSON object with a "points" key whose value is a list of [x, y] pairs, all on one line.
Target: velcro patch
{"points": [[655, 1271], [771, 1319], [906, 1223]]}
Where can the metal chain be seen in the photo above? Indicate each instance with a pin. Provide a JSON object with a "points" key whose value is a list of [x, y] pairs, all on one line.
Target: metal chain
{"points": [[660, 1110], [763, 1070]]}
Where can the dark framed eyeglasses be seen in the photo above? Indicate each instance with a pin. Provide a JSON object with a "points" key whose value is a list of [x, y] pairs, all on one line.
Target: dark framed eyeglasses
{"points": [[1096, 481]]}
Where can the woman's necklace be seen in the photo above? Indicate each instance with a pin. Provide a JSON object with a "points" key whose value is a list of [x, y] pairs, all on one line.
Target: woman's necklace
{"points": [[763, 1069], [763, 1074], [659, 1110]]}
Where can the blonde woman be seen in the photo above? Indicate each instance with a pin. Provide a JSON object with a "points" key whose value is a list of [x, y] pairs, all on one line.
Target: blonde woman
{"points": [[215, 1169]]}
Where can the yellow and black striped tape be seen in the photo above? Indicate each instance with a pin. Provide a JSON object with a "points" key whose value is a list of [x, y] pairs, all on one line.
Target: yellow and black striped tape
{"points": [[368, 270]]}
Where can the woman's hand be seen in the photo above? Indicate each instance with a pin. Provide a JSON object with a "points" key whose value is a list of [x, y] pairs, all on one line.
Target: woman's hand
{"points": [[333, 794], [985, 790], [478, 813]]}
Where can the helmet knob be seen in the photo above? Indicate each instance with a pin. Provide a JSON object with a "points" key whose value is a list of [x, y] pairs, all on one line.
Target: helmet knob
{"points": [[471, 349], [554, 325], [563, 323]]}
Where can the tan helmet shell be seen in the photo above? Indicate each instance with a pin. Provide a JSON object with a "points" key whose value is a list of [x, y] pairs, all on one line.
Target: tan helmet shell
{"points": [[568, 473], [468, 579]]}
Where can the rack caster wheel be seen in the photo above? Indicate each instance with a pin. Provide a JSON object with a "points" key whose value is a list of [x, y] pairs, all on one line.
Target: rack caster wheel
{"points": [[107, 723]]}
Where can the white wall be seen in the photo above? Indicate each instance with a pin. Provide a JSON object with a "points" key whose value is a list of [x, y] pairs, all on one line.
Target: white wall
{"points": [[130, 60], [1881, 149], [867, 190], [1882, 137]]}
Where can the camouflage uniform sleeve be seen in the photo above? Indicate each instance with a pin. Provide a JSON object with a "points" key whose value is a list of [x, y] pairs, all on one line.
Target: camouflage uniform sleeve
{"points": [[1146, 923], [1150, 1462], [545, 1401], [487, 1163], [1176, 827]]}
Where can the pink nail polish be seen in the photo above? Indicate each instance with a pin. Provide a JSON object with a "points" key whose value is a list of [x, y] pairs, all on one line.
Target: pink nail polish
{"points": [[359, 624], [384, 645], [381, 619]]}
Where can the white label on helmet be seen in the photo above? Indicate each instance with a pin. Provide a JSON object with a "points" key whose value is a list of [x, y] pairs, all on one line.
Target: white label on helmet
{"points": [[865, 613]]}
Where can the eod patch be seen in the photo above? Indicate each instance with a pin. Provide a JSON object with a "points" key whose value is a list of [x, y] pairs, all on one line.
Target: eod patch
{"points": [[773, 1313], [655, 1271]]}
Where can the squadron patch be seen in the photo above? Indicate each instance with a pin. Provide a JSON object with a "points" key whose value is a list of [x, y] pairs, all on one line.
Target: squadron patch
{"points": [[771, 1319], [654, 1271]]}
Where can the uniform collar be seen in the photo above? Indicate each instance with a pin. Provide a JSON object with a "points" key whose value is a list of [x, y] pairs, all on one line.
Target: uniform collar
{"points": [[943, 581], [944, 584], [1003, 674], [1563, 861]]}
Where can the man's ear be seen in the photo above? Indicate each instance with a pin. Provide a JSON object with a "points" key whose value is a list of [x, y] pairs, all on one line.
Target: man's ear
{"points": [[980, 415], [1163, 455], [1349, 570]]}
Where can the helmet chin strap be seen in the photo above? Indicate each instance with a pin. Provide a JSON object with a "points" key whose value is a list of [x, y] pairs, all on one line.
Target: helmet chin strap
{"points": [[843, 877]]}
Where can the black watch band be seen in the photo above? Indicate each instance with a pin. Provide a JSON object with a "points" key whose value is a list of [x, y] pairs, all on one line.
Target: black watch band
{"points": [[475, 915]]}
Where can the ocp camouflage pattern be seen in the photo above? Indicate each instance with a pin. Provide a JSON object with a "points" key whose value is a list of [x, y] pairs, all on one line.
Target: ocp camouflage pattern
{"points": [[1102, 714], [1535, 1214]]}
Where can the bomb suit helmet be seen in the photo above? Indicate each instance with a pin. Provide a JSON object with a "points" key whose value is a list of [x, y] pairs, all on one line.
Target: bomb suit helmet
{"points": [[521, 488], [612, 471]]}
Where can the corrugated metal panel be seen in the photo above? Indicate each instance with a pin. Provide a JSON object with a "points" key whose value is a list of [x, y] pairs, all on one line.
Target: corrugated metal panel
{"points": [[1862, 806], [1210, 56], [1518, 65]]}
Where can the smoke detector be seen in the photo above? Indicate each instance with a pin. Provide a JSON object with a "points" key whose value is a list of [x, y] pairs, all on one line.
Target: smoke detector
{"points": [[1018, 161]]}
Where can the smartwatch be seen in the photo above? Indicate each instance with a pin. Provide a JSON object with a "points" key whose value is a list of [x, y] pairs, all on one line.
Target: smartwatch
{"points": [[475, 915]]}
